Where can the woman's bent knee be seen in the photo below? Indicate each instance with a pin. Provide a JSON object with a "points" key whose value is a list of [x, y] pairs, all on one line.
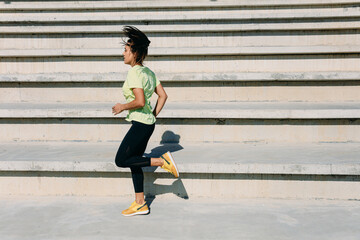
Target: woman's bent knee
{"points": [[120, 161]]}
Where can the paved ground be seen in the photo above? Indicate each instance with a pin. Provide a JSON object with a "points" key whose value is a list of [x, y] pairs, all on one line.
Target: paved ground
{"points": [[99, 218]]}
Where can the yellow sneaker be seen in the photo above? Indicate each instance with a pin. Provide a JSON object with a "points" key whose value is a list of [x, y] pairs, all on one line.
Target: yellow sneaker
{"points": [[169, 164], [136, 209]]}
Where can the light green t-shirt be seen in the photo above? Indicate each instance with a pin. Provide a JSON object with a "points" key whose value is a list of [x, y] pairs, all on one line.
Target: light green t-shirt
{"points": [[140, 77]]}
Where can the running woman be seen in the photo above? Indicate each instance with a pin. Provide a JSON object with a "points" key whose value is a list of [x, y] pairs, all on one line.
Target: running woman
{"points": [[138, 88]]}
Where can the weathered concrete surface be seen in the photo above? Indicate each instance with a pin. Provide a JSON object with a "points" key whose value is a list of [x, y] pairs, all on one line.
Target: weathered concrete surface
{"points": [[189, 51], [326, 171], [214, 91], [100, 218], [210, 64], [224, 54], [194, 15], [119, 77], [211, 92], [174, 40], [225, 110], [241, 158], [159, 4], [176, 28], [188, 130]]}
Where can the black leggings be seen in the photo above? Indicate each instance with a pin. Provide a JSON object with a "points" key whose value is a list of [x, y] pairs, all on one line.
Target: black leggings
{"points": [[131, 150]]}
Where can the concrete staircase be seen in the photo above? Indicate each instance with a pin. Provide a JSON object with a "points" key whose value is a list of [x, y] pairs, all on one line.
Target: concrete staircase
{"points": [[277, 80]]}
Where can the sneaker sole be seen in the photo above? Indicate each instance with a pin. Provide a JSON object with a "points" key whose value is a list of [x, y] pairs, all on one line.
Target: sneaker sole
{"points": [[173, 162], [136, 213]]}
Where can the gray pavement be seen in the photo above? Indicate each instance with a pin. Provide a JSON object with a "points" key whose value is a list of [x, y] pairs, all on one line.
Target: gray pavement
{"points": [[72, 217]]}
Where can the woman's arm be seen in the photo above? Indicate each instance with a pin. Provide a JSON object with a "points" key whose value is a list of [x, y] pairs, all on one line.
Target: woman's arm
{"points": [[159, 90], [138, 102]]}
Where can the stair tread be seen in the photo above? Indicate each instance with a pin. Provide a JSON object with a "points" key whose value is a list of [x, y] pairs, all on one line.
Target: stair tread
{"points": [[195, 15], [185, 28], [243, 50], [240, 158], [61, 5], [184, 76], [238, 110]]}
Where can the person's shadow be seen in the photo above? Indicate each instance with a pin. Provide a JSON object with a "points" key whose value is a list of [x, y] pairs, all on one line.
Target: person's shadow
{"points": [[169, 142]]}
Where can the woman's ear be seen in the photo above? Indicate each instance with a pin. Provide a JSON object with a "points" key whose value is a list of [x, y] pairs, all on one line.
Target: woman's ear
{"points": [[135, 56]]}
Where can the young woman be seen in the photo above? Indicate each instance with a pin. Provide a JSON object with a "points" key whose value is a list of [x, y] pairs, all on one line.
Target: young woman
{"points": [[138, 88]]}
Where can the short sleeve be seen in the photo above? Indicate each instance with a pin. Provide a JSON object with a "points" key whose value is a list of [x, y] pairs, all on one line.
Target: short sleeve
{"points": [[135, 79], [157, 81]]}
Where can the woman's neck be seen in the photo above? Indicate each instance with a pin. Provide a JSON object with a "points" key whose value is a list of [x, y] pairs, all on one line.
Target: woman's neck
{"points": [[137, 64]]}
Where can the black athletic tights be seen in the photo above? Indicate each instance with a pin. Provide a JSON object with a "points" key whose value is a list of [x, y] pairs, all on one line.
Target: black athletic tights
{"points": [[131, 150]]}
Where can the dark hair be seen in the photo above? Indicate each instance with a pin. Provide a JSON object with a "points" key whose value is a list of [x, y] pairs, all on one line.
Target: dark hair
{"points": [[138, 42]]}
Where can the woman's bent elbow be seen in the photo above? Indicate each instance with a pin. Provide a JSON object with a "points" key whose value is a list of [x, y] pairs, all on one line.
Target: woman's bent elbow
{"points": [[141, 104]]}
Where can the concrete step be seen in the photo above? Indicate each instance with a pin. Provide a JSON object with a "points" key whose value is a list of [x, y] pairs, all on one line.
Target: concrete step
{"points": [[216, 63], [107, 5], [214, 87], [185, 40], [181, 110], [181, 15], [191, 130], [228, 158], [326, 170], [181, 28], [214, 91], [119, 77], [208, 64], [259, 122], [201, 51], [73, 217]]}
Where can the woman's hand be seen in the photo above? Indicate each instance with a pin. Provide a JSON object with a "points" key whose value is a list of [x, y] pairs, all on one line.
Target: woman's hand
{"points": [[117, 108], [138, 102]]}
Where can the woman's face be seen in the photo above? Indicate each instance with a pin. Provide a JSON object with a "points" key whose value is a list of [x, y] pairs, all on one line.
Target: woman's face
{"points": [[129, 57]]}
